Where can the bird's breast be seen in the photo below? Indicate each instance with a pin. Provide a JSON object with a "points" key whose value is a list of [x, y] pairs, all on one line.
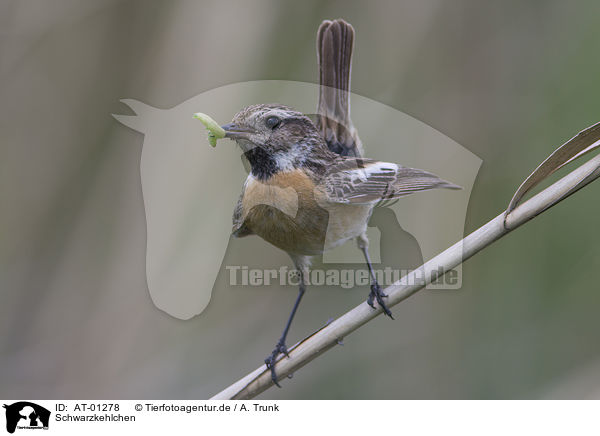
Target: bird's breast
{"points": [[283, 210], [287, 211]]}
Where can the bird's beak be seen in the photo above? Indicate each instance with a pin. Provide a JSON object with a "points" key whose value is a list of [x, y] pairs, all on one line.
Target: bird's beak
{"points": [[234, 131]]}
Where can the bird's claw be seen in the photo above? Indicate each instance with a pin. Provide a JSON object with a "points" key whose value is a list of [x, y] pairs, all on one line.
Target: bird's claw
{"points": [[270, 361], [377, 294]]}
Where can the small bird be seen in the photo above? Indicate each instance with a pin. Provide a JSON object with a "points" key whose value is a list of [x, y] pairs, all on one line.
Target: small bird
{"points": [[305, 199], [309, 189]]}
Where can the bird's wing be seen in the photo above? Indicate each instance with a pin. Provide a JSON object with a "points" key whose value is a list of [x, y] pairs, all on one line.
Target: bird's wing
{"points": [[239, 229], [364, 181]]}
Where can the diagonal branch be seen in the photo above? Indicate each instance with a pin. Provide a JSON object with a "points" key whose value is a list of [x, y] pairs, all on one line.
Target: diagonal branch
{"points": [[327, 337]]}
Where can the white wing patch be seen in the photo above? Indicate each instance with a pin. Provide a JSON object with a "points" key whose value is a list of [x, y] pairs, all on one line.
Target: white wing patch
{"points": [[374, 169]]}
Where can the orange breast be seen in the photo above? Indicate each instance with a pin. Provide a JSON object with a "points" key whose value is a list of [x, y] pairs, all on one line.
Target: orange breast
{"points": [[283, 211]]}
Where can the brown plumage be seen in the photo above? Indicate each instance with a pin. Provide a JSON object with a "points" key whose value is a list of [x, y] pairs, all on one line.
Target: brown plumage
{"points": [[335, 45]]}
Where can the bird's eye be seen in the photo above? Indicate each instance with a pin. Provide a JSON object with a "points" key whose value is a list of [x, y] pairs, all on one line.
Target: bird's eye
{"points": [[272, 122]]}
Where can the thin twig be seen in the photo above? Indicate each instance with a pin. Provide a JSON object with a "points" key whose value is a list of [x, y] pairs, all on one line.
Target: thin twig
{"points": [[325, 338]]}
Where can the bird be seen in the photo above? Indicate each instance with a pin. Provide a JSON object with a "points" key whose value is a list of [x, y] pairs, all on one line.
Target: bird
{"points": [[309, 188]]}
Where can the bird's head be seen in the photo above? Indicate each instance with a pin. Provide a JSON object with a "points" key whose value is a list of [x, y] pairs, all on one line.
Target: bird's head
{"points": [[274, 137]]}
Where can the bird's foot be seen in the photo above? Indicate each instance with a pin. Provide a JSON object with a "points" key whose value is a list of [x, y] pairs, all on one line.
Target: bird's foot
{"points": [[270, 361], [377, 294]]}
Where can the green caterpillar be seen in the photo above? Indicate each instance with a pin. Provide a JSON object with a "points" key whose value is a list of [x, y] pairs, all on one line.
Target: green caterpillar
{"points": [[215, 131]]}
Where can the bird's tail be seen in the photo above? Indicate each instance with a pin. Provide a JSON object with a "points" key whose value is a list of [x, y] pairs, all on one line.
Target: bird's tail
{"points": [[335, 43]]}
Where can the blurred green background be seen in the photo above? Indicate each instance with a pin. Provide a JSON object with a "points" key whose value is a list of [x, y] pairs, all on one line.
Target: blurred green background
{"points": [[510, 81]]}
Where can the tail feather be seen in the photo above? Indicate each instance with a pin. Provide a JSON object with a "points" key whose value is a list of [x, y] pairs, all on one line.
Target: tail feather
{"points": [[335, 44]]}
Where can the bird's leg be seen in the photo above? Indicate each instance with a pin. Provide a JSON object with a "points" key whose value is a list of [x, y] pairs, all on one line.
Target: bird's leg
{"points": [[376, 291], [281, 347]]}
